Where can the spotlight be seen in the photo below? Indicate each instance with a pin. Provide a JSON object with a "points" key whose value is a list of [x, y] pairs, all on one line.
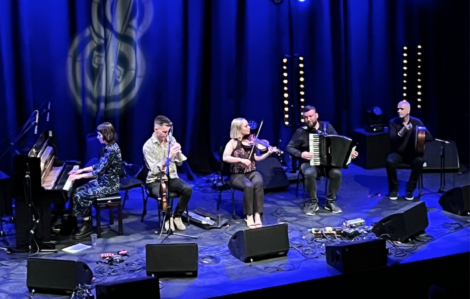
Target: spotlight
{"points": [[374, 120]]}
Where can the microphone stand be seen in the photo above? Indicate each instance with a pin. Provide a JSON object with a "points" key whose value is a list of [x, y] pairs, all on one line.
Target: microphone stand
{"points": [[442, 153], [168, 213]]}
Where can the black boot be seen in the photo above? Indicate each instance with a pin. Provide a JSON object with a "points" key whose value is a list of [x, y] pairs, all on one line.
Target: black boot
{"points": [[85, 230]]}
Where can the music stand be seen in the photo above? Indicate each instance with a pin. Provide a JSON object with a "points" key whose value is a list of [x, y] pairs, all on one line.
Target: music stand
{"points": [[168, 213]]}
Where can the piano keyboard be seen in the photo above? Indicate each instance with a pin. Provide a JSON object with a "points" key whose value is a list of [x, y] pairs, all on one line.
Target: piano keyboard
{"points": [[314, 144], [68, 184]]}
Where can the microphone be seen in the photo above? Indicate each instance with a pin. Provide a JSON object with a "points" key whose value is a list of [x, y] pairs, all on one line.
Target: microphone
{"points": [[440, 140], [48, 110], [170, 133], [37, 121]]}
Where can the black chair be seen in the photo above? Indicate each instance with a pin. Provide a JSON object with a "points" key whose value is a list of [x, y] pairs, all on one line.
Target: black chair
{"points": [[420, 180], [108, 202], [225, 182], [301, 179], [171, 195], [128, 180]]}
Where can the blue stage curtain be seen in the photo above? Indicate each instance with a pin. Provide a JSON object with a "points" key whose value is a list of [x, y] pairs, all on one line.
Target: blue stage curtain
{"points": [[203, 63]]}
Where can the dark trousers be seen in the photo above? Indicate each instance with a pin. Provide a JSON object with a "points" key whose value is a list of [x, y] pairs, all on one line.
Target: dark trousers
{"points": [[178, 186], [393, 160], [253, 191], [312, 172]]}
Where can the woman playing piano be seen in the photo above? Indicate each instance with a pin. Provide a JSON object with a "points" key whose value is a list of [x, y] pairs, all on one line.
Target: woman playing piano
{"points": [[240, 153], [105, 179]]}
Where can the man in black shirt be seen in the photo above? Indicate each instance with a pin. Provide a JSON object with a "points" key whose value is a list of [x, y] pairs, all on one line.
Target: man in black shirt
{"points": [[299, 147], [402, 132]]}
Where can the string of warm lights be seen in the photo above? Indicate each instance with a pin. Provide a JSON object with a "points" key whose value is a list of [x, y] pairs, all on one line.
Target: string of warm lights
{"points": [[301, 87], [285, 91], [419, 76], [405, 71]]}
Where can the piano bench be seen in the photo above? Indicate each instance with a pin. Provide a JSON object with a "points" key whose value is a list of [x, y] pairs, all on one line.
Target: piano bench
{"points": [[108, 202]]}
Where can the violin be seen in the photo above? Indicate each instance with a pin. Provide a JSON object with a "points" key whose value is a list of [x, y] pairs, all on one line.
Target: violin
{"points": [[261, 144], [162, 199]]}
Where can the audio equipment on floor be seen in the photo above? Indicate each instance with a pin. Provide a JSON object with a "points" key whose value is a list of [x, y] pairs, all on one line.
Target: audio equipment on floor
{"points": [[172, 260], [56, 276], [357, 256], [403, 224], [274, 175], [456, 201], [142, 287], [261, 243]]}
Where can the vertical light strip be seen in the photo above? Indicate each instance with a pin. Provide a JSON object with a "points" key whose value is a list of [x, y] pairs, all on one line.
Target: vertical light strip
{"points": [[405, 72], [285, 91], [419, 76], [301, 88]]}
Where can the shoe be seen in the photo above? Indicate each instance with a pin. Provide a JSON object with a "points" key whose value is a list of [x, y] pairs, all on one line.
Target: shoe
{"points": [[258, 222], [332, 206], [249, 222], [393, 195], [84, 231], [311, 208], [179, 223], [169, 224], [409, 195]]}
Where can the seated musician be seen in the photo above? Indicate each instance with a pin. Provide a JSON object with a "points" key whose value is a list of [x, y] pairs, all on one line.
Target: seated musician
{"points": [[299, 147], [105, 181], [403, 149], [155, 154], [240, 153]]}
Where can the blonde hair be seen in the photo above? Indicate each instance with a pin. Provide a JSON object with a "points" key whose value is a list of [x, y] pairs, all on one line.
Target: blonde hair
{"points": [[235, 128]]}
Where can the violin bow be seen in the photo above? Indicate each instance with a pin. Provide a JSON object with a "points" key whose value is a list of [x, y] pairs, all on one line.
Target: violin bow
{"points": [[256, 137]]}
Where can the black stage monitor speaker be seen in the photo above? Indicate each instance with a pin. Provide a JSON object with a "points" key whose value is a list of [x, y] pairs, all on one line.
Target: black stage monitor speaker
{"points": [[432, 156], [56, 276], [274, 176], [357, 256], [403, 224], [172, 260], [456, 201], [142, 287], [261, 243]]}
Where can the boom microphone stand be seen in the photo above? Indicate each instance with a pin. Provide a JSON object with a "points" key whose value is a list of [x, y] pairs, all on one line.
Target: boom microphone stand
{"points": [[168, 213]]}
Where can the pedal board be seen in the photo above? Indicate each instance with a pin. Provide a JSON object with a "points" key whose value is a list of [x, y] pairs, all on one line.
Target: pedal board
{"points": [[206, 220]]}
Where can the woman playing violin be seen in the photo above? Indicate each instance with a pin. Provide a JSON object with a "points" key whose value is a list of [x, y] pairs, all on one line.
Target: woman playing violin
{"points": [[240, 153]]}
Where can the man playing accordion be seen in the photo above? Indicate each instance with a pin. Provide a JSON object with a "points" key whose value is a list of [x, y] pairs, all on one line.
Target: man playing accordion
{"points": [[299, 147]]}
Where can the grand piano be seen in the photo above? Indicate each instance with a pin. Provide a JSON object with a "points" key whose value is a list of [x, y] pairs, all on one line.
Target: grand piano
{"points": [[40, 180]]}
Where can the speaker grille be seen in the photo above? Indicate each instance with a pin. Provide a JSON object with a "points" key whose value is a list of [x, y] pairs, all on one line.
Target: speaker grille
{"points": [[168, 260]]}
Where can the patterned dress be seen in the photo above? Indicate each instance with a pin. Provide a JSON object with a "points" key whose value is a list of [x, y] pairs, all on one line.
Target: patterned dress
{"points": [[106, 181]]}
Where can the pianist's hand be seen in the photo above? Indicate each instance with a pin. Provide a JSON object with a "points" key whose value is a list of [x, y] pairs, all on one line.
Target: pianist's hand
{"points": [[307, 156], [75, 176], [76, 171]]}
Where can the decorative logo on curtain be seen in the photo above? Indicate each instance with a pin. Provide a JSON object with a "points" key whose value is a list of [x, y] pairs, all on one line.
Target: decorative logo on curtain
{"points": [[105, 64]]}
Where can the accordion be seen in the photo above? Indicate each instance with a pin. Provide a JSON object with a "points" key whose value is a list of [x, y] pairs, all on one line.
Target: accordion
{"points": [[330, 150]]}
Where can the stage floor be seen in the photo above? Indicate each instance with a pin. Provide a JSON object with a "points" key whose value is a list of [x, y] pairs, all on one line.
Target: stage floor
{"points": [[363, 194]]}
